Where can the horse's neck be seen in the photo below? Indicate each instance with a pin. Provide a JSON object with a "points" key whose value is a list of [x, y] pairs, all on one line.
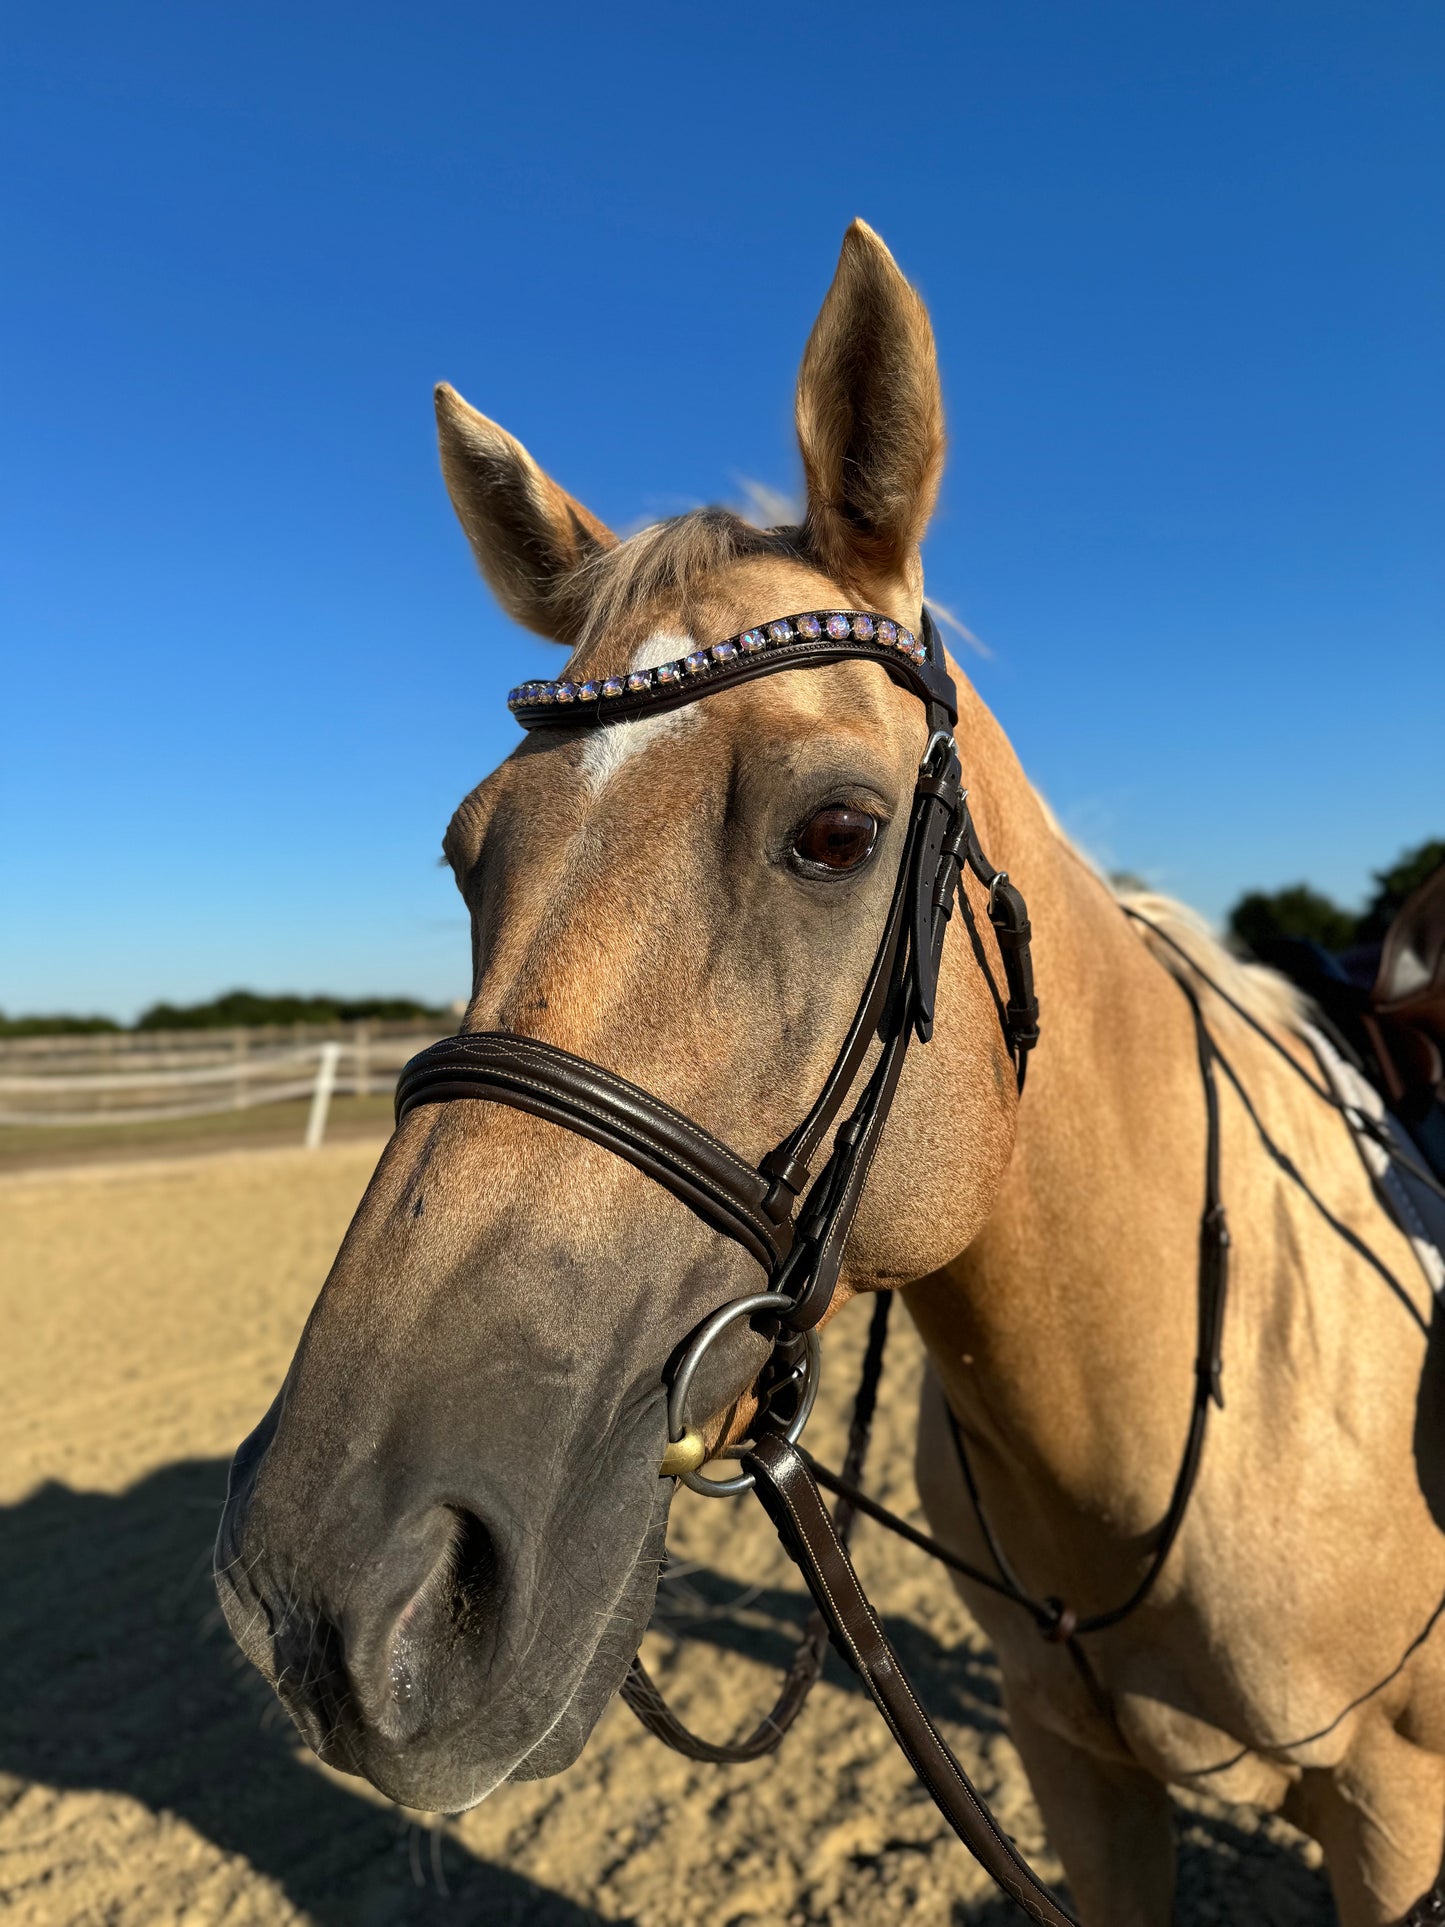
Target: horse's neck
{"points": [[1065, 1334]]}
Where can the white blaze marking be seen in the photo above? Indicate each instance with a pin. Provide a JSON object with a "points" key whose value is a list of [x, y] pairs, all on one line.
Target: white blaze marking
{"points": [[608, 748], [666, 646]]}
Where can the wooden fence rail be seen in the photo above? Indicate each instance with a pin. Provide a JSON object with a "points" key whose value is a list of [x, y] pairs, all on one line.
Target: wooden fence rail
{"points": [[216, 1072]]}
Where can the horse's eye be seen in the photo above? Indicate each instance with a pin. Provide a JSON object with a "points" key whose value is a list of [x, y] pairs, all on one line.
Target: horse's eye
{"points": [[837, 838]]}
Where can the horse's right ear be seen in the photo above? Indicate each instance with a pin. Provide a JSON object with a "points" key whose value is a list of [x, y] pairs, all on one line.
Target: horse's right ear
{"points": [[527, 534]]}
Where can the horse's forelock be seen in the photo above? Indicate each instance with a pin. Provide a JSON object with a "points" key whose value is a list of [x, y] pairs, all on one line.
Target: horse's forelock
{"points": [[671, 561]]}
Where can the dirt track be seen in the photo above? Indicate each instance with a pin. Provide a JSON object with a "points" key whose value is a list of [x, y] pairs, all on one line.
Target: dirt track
{"points": [[145, 1777]]}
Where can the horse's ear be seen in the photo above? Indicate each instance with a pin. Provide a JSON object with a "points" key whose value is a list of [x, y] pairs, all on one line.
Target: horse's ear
{"points": [[528, 535], [870, 422]]}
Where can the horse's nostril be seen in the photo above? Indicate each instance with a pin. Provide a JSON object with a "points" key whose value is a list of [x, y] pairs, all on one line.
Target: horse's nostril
{"points": [[475, 1577], [426, 1607], [454, 1605]]}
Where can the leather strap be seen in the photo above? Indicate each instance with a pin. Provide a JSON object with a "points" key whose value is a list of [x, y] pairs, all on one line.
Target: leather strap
{"points": [[1055, 1619], [1008, 913], [890, 1012], [787, 1489], [797, 1150], [531, 1075], [640, 1690], [930, 681]]}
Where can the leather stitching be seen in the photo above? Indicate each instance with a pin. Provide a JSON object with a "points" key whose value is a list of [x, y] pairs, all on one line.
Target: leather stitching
{"points": [[481, 1044], [704, 1180], [782, 1479]]}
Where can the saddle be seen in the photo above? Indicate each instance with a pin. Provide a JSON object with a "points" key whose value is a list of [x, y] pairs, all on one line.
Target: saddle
{"points": [[1385, 1003]]}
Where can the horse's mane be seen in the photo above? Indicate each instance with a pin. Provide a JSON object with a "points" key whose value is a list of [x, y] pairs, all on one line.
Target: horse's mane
{"points": [[1263, 992]]}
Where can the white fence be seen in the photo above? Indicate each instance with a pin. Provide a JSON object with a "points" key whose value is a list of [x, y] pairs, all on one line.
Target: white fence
{"points": [[195, 1076]]}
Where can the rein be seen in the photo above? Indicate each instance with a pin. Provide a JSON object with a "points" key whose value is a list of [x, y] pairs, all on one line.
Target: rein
{"points": [[794, 1222]]}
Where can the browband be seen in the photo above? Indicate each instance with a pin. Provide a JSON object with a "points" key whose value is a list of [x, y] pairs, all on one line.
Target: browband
{"points": [[792, 642]]}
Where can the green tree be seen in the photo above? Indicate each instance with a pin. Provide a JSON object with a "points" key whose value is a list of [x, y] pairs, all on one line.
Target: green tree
{"points": [[59, 1026], [240, 1008], [1392, 886], [1262, 916]]}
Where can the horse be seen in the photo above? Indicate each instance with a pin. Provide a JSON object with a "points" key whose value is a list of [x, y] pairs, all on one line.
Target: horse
{"points": [[442, 1542]]}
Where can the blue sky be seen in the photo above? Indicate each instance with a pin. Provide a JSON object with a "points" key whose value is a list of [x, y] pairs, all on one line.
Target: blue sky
{"points": [[1186, 270]]}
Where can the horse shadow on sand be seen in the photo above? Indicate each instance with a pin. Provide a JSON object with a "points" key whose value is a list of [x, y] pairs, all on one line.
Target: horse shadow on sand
{"points": [[116, 1675], [1228, 1871]]}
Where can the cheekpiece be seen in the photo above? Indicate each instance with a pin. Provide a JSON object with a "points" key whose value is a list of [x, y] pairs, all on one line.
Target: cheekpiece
{"points": [[788, 633]]}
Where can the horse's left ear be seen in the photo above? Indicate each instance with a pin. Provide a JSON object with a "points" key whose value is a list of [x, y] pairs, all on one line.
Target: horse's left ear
{"points": [[870, 424]]}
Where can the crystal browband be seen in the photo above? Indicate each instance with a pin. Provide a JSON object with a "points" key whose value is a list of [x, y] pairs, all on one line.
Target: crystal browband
{"points": [[817, 634]]}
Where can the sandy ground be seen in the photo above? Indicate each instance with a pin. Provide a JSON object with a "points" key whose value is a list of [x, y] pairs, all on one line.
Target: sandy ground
{"points": [[146, 1778]]}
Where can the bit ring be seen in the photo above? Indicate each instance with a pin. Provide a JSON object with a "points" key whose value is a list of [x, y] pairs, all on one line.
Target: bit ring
{"points": [[685, 1452]]}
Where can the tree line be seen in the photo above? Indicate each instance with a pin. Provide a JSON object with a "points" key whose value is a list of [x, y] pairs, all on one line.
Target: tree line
{"points": [[236, 1010], [1261, 917]]}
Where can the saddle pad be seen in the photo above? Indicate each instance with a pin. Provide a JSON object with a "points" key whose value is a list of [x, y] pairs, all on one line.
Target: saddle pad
{"points": [[1417, 1210]]}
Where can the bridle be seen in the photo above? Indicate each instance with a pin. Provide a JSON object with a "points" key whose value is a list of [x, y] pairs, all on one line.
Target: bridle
{"points": [[793, 1220]]}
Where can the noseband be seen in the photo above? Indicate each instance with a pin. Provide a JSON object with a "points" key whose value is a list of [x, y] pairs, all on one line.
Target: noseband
{"points": [[793, 1220]]}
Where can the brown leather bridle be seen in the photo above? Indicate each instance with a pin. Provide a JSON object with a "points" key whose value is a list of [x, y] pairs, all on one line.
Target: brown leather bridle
{"points": [[801, 1249], [793, 1221]]}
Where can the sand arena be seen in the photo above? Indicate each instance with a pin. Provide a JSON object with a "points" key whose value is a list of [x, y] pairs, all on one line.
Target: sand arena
{"points": [[147, 1777]]}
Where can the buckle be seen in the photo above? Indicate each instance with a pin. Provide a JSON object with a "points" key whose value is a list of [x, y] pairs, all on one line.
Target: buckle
{"points": [[941, 741]]}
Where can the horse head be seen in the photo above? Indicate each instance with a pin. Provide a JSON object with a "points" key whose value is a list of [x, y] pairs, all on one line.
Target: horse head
{"points": [[442, 1542]]}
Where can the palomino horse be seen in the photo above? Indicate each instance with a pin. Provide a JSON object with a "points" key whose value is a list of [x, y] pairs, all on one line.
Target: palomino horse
{"points": [[442, 1542]]}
